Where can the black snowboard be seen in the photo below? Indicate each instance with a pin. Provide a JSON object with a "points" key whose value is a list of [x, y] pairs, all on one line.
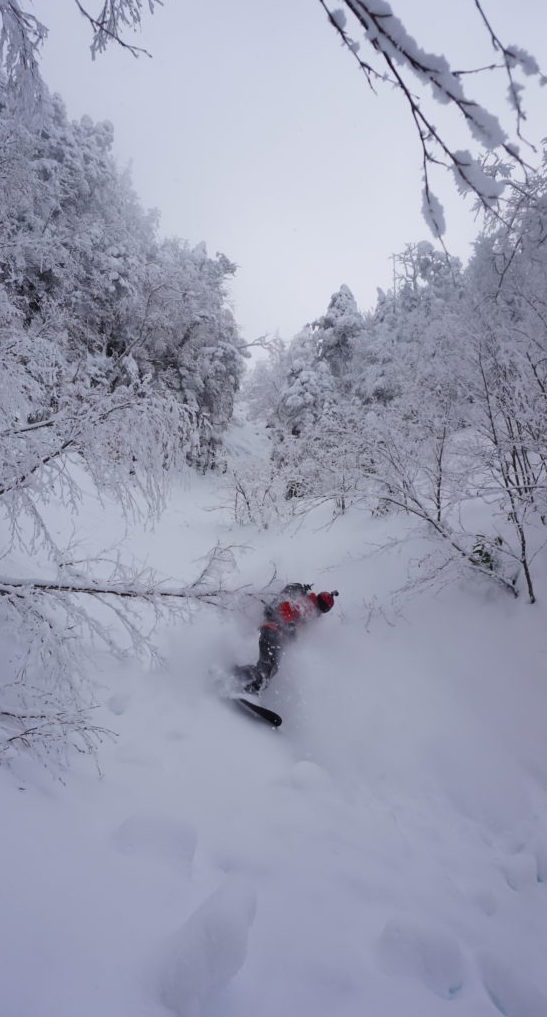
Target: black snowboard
{"points": [[260, 712]]}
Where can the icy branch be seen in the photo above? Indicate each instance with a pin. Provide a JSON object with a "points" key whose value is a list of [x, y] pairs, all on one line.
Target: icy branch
{"points": [[114, 16], [406, 60], [202, 589]]}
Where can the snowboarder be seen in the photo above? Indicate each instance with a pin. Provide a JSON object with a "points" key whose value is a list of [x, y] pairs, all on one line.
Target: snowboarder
{"points": [[294, 606]]}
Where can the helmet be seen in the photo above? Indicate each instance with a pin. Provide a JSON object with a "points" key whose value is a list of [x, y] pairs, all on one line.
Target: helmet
{"points": [[325, 601]]}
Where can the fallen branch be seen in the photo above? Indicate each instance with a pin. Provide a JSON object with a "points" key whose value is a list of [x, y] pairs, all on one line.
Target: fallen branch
{"points": [[10, 586]]}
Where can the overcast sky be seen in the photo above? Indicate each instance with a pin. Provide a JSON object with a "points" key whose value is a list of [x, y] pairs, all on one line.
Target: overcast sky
{"points": [[251, 129]]}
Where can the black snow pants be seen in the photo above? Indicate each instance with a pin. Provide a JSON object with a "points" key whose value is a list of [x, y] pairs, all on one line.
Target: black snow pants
{"points": [[255, 677]]}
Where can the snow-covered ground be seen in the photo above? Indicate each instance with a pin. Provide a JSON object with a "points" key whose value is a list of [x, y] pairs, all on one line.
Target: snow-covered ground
{"points": [[383, 853]]}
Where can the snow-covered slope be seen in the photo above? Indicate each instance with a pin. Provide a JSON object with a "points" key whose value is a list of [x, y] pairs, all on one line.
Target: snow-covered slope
{"points": [[383, 853]]}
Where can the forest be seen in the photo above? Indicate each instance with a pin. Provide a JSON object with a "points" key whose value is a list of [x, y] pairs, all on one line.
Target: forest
{"points": [[122, 362], [166, 478]]}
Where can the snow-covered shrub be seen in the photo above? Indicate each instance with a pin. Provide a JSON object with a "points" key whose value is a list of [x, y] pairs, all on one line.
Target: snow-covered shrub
{"points": [[258, 496]]}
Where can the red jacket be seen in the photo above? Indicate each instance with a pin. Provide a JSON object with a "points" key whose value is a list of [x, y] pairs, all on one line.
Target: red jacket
{"points": [[291, 613]]}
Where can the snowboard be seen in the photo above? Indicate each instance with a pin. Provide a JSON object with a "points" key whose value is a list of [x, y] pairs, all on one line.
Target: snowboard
{"points": [[258, 711]]}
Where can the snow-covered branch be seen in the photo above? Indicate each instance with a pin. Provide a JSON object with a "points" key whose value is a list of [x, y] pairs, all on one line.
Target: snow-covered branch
{"points": [[513, 57], [407, 65], [54, 732], [46, 696], [112, 19], [22, 35]]}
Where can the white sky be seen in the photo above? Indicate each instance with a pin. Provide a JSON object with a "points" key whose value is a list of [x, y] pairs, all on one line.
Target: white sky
{"points": [[252, 129]]}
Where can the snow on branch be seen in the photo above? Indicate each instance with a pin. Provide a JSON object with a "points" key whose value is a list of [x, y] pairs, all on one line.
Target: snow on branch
{"points": [[46, 695], [513, 56], [22, 35], [113, 18], [51, 730], [207, 587], [407, 62]]}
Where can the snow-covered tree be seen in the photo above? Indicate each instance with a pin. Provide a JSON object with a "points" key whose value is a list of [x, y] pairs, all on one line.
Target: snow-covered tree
{"points": [[309, 384], [441, 401], [120, 362], [337, 331], [263, 383], [508, 279], [79, 252]]}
